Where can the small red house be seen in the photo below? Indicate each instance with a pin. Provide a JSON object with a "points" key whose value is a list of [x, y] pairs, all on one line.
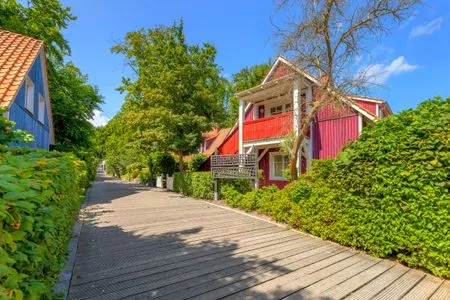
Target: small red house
{"points": [[268, 112]]}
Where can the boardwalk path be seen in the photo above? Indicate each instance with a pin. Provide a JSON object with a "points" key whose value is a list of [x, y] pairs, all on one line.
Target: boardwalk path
{"points": [[142, 243]]}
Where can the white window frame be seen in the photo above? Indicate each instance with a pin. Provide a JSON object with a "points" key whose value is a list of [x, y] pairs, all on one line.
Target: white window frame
{"points": [[41, 109], [272, 165], [276, 106], [29, 95]]}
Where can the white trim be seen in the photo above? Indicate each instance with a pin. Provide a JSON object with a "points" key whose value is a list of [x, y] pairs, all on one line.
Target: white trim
{"points": [[29, 95], [241, 125], [41, 109], [272, 165], [47, 94], [360, 123], [377, 111], [255, 111], [264, 142], [362, 98], [296, 99], [271, 71]]}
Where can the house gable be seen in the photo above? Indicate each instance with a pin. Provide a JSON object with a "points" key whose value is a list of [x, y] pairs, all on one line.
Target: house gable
{"points": [[24, 89]]}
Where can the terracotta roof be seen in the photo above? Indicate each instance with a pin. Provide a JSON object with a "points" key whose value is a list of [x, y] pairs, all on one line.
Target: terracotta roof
{"points": [[17, 55], [222, 134]]}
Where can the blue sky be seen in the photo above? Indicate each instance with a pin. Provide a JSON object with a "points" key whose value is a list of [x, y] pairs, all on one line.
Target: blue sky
{"points": [[413, 62]]}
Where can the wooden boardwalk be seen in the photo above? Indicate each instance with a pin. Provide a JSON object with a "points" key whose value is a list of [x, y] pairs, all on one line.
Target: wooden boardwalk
{"points": [[139, 243]]}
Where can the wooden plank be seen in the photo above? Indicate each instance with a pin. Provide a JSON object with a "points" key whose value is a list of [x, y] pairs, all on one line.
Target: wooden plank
{"points": [[379, 283], [331, 281], [443, 292], [260, 286], [424, 289], [174, 274], [348, 286], [401, 286], [212, 281]]}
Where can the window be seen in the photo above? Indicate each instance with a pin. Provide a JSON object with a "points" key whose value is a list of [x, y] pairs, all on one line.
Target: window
{"points": [[278, 163], [41, 112], [29, 96], [276, 110], [288, 107]]}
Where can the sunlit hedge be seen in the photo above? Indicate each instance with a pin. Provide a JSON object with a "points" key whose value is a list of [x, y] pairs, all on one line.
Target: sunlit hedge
{"points": [[40, 194]]}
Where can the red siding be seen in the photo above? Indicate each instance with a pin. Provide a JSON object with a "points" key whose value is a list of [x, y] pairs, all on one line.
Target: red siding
{"points": [[369, 106], [270, 127], [280, 71], [330, 135], [231, 144]]}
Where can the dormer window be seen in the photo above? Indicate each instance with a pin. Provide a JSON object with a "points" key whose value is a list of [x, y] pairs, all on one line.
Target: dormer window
{"points": [[29, 96], [41, 110]]}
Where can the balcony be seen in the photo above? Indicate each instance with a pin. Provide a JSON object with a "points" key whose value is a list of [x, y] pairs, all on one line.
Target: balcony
{"points": [[268, 128]]}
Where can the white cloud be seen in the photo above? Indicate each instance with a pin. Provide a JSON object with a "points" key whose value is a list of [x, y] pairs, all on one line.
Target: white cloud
{"points": [[380, 73], [99, 119], [426, 29]]}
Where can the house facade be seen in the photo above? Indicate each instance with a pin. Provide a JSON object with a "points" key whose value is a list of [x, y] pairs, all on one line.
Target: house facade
{"points": [[24, 89], [272, 110]]}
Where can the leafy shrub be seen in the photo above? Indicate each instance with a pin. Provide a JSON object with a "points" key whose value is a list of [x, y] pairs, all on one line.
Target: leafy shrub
{"points": [[40, 194], [162, 163], [201, 185], [391, 189], [194, 184], [133, 170], [10, 135], [196, 162], [145, 176]]}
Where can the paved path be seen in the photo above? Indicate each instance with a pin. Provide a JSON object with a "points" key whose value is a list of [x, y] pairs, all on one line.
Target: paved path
{"points": [[143, 243]]}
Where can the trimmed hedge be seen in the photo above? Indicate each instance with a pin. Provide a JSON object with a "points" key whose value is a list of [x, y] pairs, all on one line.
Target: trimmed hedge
{"points": [[387, 193], [40, 195], [201, 185]]}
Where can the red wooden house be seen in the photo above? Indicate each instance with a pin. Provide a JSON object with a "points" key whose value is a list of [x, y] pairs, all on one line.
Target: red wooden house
{"points": [[268, 112]]}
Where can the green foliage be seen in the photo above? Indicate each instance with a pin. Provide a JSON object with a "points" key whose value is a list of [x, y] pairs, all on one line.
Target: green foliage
{"points": [[10, 135], [386, 193], [145, 176], [74, 101], [194, 184], [162, 163], [176, 94], [196, 162], [40, 194]]}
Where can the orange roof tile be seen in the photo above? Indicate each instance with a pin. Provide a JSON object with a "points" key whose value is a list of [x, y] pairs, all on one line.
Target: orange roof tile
{"points": [[17, 54]]}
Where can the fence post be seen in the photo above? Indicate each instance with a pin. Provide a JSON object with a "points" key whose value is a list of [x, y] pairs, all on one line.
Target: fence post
{"points": [[216, 183]]}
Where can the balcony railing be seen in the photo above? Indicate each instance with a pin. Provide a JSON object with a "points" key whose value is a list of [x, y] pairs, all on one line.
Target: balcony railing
{"points": [[270, 127]]}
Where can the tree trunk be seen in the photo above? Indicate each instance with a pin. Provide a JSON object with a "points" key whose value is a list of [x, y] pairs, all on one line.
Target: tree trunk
{"points": [[300, 137], [180, 162]]}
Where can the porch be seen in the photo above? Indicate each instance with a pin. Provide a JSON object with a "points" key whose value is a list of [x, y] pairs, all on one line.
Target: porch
{"points": [[267, 114]]}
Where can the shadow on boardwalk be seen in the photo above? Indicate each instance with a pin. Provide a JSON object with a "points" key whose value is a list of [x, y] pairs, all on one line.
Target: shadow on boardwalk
{"points": [[127, 250]]}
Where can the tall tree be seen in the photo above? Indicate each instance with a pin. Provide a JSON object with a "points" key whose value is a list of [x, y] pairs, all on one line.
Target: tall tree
{"points": [[176, 93], [325, 38], [73, 103], [246, 78]]}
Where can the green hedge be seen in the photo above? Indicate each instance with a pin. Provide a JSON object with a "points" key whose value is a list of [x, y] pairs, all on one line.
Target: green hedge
{"points": [[386, 193], [40, 194], [201, 185]]}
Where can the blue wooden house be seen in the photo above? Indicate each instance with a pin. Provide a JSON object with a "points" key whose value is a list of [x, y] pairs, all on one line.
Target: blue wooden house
{"points": [[24, 89]]}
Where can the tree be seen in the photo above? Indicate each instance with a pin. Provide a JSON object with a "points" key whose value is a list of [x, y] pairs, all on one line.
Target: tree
{"points": [[41, 19], [325, 38], [176, 93], [73, 103], [246, 78]]}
